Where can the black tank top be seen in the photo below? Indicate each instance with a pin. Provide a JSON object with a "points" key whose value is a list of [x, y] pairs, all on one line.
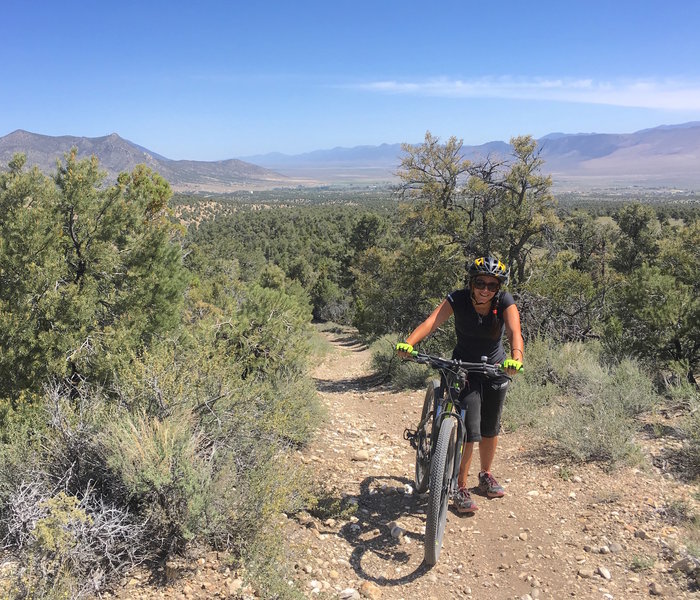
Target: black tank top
{"points": [[478, 335]]}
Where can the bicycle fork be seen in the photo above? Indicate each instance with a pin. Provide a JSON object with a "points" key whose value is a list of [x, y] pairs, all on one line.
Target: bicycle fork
{"points": [[461, 438], [459, 450]]}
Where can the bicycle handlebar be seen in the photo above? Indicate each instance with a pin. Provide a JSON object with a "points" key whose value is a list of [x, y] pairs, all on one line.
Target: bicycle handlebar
{"points": [[482, 368]]}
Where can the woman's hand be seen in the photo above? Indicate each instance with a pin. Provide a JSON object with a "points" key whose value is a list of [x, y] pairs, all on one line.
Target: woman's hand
{"points": [[512, 366], [404, 349]]}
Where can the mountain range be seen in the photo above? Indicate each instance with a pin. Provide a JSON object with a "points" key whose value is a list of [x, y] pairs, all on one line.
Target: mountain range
{"points": [[662, 157], [117, 154], [667, 156]]}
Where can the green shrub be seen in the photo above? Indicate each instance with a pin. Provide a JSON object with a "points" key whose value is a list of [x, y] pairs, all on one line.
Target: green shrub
{"points": [[527, 402], [288, 408], [67, 544], [587, 407], [592, 431], [632, 388], [161, 464], [402, 374], [641, 562]]}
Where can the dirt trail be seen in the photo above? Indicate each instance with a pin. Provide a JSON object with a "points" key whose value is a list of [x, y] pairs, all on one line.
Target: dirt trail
{"points": [[558, 533]]}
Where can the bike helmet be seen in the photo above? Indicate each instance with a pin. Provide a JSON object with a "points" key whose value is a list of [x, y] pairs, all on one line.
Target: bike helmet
{"points": [[489, 265]]}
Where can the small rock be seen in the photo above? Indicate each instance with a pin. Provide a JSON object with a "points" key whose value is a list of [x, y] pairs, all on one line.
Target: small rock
{"points": [[349, 594], [233, 585], [523, 536], [641, 534], [615, 548], [533, 493], [361, 455], [397, 532], [687, 565], [604, 573], [370, 590], [172, 570], [585, 573], [655, 589], [604, 550]]}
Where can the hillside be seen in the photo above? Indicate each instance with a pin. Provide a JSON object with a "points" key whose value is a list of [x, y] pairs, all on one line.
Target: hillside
{"points": [[117, 154]]}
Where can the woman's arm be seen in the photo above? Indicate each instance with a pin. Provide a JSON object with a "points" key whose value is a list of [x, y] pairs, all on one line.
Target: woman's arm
{"points": [[511, 317], [436, 318]]}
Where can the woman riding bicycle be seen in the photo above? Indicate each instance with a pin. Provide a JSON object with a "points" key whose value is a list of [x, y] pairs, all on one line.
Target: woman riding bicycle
{"points": [[482, 312]]}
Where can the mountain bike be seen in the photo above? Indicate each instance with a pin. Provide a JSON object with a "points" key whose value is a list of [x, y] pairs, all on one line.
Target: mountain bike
{"points": [[439, 439]]}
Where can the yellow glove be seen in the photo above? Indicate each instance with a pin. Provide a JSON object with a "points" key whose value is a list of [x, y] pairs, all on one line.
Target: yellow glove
{"points": [[404, 347], [511, 363]]}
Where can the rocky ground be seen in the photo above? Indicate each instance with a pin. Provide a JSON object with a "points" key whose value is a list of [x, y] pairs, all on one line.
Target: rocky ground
{"points": [[560, 531]]}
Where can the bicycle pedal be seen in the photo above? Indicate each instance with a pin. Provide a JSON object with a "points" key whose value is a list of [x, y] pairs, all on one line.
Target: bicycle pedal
{"points": [[410, 435]]}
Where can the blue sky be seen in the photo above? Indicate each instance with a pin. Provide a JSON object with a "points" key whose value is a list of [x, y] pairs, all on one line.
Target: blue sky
{"points": [[210, 80]]}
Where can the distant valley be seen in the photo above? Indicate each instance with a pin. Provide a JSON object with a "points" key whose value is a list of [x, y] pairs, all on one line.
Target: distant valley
{"points": [[665, 157]]}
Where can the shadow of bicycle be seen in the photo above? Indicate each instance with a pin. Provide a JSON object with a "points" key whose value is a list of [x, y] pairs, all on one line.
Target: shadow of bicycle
{"points": [[381, 501]]}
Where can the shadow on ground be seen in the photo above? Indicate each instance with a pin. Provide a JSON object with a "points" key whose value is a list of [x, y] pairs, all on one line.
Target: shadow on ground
{"points": [[351, 384], [349, 342], [381, 501]]}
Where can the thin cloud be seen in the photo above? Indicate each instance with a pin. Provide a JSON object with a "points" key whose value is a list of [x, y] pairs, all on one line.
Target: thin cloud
{"points": [[647, 93]]}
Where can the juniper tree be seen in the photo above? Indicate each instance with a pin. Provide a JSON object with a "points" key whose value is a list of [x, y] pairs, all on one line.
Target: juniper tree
{"points": [[88, 273]]}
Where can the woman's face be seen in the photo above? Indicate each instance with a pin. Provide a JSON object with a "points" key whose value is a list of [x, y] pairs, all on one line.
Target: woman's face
{"points": [[481, 285]]}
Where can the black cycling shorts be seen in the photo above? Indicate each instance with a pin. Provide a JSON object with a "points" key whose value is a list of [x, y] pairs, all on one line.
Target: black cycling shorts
{"points": [[483, 400]]}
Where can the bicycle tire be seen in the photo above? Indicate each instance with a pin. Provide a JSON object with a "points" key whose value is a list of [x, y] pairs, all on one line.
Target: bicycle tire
{"points": [[441, 470], [424, 439]]}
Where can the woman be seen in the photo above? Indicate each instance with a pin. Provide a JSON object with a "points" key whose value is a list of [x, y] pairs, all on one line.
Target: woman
{"points": [[482, 312]]}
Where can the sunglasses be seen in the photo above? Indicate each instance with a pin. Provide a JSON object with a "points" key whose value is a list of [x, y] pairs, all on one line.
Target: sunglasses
{"points": [[491, 286]]}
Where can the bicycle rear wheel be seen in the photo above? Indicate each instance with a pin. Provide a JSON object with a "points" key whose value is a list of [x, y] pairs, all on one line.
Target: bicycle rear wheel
{"points": [[424, 438], [441, 470]]}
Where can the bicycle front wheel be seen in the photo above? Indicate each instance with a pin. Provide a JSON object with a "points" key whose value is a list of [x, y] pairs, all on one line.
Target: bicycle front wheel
{"points": [[441, 470], [424, 439]]}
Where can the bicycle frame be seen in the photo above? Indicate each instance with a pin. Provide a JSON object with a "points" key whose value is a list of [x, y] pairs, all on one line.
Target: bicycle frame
{"points": [[454, 374]]}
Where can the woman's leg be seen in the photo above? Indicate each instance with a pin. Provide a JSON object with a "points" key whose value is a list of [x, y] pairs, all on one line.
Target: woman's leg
{"points": [[464, 465], [472, 421], [494, 397], [487, 451]]}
